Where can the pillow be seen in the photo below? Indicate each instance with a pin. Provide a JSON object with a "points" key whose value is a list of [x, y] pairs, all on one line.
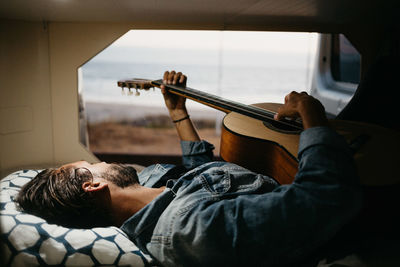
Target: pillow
{"points": [[27, 240]]}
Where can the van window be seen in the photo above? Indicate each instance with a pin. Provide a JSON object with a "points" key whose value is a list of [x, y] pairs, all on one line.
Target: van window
{"points": [[345, 60], [247, 67]]}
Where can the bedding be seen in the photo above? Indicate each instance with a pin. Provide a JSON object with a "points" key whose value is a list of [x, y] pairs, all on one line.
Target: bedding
{"points": [[28, 240]]}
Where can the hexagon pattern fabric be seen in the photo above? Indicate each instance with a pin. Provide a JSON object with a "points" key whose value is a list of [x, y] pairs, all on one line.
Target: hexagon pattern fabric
{"points": [[27, 240]]}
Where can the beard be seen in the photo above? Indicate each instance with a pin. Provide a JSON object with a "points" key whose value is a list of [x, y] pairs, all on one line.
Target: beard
{"points": [[122, 175]]}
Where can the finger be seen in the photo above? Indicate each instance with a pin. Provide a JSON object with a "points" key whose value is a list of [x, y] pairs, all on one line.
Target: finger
{"points": [[286, 111], [183, 79], [277, 115], [171, 77], [177, 77], [287, 98], [291, 96], [166, 74], [283, 111]]}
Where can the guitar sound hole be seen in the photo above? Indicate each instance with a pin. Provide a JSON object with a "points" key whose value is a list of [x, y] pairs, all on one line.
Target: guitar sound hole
{"points": [[282, 128]]}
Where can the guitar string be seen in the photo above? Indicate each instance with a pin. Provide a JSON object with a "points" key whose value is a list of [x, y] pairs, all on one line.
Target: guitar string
{"points": [[248, 110]]}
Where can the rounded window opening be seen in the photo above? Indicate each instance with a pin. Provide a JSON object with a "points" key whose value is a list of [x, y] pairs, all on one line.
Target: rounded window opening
{"points": [[345, 60], [246, 67]]}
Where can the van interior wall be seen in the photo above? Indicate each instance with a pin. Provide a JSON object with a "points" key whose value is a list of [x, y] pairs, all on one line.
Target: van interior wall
{"points": [[39, 95], [26, 121], [367, 40]]}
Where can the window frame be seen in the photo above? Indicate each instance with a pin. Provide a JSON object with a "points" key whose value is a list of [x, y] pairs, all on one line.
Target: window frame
{"points": [[333, 94]]}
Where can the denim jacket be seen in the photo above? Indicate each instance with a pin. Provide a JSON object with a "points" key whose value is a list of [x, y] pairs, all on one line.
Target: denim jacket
{"points": [[220, 214], [193, 154]]}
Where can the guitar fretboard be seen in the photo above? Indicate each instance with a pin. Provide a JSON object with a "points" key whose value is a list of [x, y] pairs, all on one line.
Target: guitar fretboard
{"points": [[229, 105]]}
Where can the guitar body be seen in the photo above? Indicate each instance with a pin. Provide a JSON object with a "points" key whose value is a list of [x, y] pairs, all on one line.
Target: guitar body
{"points": [[248, 142]]}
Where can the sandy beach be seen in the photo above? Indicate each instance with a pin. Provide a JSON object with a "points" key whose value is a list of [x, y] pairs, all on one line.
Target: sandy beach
{"points": [[129, 129], [99, 112]]}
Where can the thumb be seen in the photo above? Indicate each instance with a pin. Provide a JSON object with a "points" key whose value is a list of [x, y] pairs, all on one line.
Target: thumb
{"points": [[286, 111], [163, 90], [278, 115]]}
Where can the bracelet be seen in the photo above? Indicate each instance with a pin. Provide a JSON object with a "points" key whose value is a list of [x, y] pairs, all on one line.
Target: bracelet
{"points": [[184, 118]]}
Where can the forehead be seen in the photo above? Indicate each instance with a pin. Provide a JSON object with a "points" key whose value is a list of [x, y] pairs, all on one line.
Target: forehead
{"points": [[77, 164]]}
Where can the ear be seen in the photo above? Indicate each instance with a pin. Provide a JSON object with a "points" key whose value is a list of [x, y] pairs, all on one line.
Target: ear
{"points": [[95, 186]]}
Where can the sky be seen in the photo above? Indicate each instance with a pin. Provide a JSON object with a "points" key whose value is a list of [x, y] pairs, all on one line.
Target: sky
{"points": [[229, 40]]}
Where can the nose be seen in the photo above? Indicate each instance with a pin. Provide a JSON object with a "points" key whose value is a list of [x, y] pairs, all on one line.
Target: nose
{"points": [[103, 163]]}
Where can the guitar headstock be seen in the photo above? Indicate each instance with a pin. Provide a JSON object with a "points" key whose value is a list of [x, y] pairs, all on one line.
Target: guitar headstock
{"points": [[135, 83]]}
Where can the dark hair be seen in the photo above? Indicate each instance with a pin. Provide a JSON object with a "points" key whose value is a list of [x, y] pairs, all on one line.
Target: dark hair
{"points": [[58, 197]]}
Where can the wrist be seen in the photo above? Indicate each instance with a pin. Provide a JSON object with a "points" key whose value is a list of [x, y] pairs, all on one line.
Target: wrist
{"points": [[178, 114], [312, 113], [181, 119]]}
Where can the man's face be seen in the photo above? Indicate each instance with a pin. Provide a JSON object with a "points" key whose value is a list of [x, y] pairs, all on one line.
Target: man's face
{"points": [[119, 174]]}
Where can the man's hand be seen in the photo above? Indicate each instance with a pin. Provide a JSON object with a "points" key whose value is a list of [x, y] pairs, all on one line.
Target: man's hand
{"points": [[175, 104], [302, 105]]}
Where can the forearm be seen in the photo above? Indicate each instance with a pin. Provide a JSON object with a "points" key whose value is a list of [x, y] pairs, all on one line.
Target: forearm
{"points": [[177, 108], [325, 158], [185, 128]]}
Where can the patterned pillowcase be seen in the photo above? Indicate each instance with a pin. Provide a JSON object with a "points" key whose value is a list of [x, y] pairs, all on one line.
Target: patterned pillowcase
{"points": [[27, 240]]}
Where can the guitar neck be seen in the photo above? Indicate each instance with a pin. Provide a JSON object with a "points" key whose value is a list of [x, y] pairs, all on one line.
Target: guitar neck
{"points": [[227, 106]]}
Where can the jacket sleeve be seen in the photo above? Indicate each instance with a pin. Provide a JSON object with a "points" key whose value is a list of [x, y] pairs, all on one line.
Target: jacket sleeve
{"points": [[196, 153], [282, 226]]}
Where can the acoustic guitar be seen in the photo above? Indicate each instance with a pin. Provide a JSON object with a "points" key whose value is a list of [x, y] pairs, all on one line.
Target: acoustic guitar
{"points": [[251, 138]]}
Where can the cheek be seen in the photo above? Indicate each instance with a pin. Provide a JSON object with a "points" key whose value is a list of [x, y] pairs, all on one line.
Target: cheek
{"points": [[100, 170], [98, 174], [131, 171]]}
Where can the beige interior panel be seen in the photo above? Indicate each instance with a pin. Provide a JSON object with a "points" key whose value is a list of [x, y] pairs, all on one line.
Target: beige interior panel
{"points": [[71, 45], [39, 90], [26, 135]]}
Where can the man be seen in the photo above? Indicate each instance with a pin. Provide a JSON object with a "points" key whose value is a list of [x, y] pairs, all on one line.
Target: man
{"points": [[211, 213]]}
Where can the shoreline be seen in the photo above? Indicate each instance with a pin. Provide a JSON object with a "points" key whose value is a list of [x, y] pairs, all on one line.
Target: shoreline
{"points": [[96, 112]]}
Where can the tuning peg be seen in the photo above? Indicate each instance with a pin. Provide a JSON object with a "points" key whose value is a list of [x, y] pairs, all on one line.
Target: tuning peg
{"points": [[130, 91], [137, 93], [123, 91]]}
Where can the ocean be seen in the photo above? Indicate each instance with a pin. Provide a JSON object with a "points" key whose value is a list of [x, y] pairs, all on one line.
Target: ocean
{"points": [[239, 75]]}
